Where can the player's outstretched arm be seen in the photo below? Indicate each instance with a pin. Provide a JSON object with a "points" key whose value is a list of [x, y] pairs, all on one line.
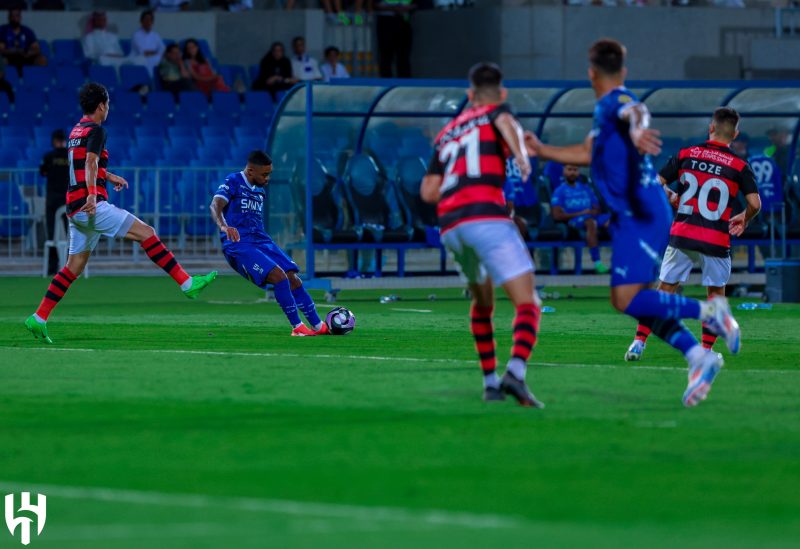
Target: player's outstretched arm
{"points": [[216, 207], [579, 154], [430, 188], [512, 132], [645, 138], [118, 181]]}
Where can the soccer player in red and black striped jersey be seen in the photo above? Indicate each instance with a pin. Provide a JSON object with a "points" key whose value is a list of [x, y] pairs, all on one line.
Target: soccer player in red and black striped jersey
{"points": [[465, 177], [710, 175], [92, 216]]}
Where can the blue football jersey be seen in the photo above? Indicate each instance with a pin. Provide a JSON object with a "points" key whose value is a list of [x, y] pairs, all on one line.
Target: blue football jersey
{"points": [[521, 193], [244, 209], [618, 170], [770, 181], [574, 199]]}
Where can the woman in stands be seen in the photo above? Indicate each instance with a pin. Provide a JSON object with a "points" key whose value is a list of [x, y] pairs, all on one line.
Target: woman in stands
{"points": [[275, 71], [203, 75]]}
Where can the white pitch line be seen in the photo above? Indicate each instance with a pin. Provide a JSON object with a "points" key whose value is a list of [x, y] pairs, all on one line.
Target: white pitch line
{"points": [[412, 310], [274, 506], [533, 363]]}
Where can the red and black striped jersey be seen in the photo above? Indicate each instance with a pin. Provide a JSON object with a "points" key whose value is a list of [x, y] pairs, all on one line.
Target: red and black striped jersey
{"points": [[85, 137], [710, 175], [470, 155]]}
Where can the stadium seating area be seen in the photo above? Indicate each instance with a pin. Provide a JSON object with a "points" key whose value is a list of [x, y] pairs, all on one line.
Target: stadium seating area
{"points": [[146, 129]]}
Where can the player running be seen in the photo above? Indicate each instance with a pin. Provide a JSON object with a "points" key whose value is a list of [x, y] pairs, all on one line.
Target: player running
{"points": [[237, 209], [92, 216], [465, 177], [618, 149], [710, 176]]}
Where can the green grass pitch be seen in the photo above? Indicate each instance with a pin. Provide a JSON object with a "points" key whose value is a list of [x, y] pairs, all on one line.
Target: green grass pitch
{"points": [[161, 422]]}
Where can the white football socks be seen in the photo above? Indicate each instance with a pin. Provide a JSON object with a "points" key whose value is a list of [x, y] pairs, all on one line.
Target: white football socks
{"points": [[491, 380], [517, 368], [187, 284], [695, 354]]}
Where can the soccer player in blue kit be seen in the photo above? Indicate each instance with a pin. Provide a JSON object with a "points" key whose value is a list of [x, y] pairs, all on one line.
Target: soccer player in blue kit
{"points": [[618, 149], [237, 209]]}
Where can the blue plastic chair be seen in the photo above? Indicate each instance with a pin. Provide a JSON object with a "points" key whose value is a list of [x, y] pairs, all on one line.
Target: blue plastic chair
{"points": [[35, 78], [182, 132], [222, 120], [187, 142], [128, 102], [160, 104], [64, 102], [106, 76], [69, 78], [8, 133], [189, 118], [67, 52], [193, 100], [258, 102], [133, 76], [11, 203], [231, 72], [125, 43], [226, 102], [12, 78]]}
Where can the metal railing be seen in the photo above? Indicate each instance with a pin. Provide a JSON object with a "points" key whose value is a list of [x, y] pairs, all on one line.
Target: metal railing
{"points": [[173, 200]]}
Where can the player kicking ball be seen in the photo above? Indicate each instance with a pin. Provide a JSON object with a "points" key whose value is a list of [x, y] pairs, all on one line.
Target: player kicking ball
{"points": [[91, 216], [465, 179], [710, 175], [237, 209], [618, 149]]}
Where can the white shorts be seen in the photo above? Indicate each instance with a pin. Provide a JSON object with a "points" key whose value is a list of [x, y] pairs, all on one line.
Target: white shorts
{"points": [[108, 220], [678, 263], [488, 248]]}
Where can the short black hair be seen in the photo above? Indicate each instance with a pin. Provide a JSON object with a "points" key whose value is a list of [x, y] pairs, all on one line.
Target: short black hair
{"points": [[172, 47], [607, 56], [145, 13], [332, 49], [91, 96], [726, 120], [297, 39], [259, 158], [485, 77], [58, 135]]}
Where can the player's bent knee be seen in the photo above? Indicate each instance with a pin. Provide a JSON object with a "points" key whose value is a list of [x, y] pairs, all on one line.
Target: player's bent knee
{"points": [[276, 275], [294, 280]]}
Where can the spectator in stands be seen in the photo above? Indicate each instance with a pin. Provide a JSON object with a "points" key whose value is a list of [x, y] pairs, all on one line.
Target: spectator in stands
{"points": [[147, 42], [394, 36], [576, 204], [5, 85], [778, 149], [304, 67], [18, 43], [103, 46], [173, 72], [203, 75], [742, 145], [55, 167], [275, 71], [331, 68]]}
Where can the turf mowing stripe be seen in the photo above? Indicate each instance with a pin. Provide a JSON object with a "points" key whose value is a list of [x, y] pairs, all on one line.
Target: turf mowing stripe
{"points": [[377, 358], [275, 506]]}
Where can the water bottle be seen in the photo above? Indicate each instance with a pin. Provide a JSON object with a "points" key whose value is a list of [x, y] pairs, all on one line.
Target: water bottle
{"points": [[754, 306], [548, 309]]}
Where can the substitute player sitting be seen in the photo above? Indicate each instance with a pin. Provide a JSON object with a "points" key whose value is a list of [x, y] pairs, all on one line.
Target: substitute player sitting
{"points": [[466, 177], [237, 209], [575, 203], [710, 176]]}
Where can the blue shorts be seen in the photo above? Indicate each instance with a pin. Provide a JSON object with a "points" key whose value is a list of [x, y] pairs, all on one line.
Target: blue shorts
{"points": [[255, 260], [637, 249], [579, 223]]}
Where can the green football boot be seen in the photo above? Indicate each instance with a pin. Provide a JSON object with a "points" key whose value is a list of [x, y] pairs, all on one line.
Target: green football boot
{"points": [[38, 329], [199, 283]]}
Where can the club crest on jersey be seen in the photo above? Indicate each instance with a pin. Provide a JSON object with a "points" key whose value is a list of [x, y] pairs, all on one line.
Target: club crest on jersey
{"points": [[695, 152]]}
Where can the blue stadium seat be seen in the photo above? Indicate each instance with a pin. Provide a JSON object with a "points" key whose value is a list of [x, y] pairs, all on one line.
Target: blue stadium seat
{"points": [[257, 102], [41, 135], [12, 132], [36, 78], [125, 43], [190, 118], [106, 76], [256, 123], [193, 101], [253, 70], [160, 104], [16, 142], [44, 48], [64, 102], [69, 78], [226, 102], [216, 142], [231, 72], [245, 133], [222, 120], [12, 78], [121, 122], [67, 52], [128, 102], [179, 132], [133, 76], [184, 142], [169, 204], [195, 197], [22, 118], [11, 203], [9, 157], [211, 131]]}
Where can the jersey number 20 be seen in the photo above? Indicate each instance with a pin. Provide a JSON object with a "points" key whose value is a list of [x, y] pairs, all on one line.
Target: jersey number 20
{"points": [[471, 143], [702, 198]]}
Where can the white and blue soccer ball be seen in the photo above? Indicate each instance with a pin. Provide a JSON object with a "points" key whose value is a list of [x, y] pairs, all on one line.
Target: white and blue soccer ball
{"points": [[340, 321]]}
